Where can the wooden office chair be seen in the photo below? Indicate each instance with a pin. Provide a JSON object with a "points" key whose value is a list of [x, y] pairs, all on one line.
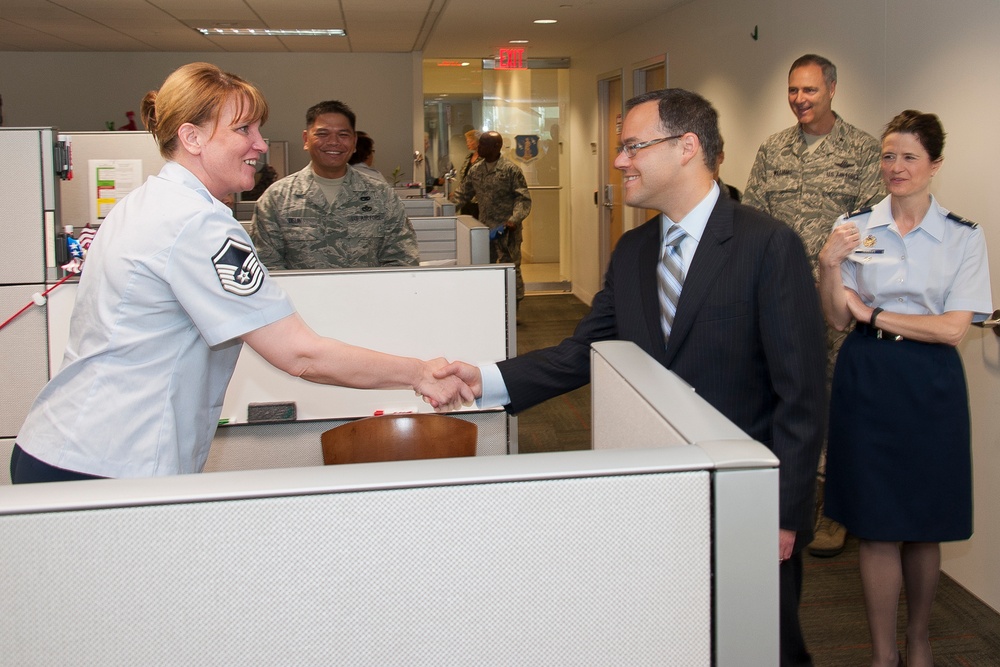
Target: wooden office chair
{"points": [[399, 438]]}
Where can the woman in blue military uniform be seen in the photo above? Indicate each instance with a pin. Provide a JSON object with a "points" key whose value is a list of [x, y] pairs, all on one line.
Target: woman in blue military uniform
{"points": [[171, 289], [913, 276]]}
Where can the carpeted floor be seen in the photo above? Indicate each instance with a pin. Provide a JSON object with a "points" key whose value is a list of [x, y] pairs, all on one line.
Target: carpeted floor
{"points": [[562, 423], [964, 631]]}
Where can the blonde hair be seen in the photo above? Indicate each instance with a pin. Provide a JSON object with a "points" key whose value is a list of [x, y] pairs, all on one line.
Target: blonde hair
{"points": [[196, 93]]}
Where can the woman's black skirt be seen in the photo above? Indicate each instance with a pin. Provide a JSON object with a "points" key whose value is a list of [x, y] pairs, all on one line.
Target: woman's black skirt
{"points": [[899, 463]]}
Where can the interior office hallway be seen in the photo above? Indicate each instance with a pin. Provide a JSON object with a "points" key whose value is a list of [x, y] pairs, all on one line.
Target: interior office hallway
{"points": [[965, 632]]}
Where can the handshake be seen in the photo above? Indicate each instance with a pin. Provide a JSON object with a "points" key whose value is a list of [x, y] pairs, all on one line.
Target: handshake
{"points": [[448, 386]]}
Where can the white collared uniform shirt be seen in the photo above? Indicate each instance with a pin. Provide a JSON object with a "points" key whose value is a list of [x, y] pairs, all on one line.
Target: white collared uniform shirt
{"points": [[940, 266], [169, 285]]}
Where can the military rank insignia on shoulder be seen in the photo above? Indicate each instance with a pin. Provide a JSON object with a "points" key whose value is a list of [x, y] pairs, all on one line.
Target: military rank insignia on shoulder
{"points": [[239, 270], [962, 221], [860, 211]]}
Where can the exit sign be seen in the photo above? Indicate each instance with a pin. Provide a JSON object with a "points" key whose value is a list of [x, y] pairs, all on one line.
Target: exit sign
{"points": [[511, 59]]}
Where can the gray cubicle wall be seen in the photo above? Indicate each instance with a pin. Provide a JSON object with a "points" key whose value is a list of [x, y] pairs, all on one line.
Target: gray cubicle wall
{"points": [[77, 196], [604, 557], [424, 313], [544, 559], [30, 207], [637, 403], [427, 313], [416, 312], [456, 240], [30, 202]]}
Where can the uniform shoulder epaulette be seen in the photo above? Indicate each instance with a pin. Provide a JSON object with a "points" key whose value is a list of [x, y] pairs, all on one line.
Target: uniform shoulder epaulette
{"points": [[959, 219], [860, 211]]}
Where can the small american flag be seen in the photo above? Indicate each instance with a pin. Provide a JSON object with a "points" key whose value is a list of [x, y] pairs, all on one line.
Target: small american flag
{"points": [[86, 237], [75, 264]]}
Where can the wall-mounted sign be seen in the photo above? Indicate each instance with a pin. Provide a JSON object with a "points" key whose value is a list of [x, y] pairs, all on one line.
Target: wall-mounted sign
{"points": [[511, 59], [526, 147]]}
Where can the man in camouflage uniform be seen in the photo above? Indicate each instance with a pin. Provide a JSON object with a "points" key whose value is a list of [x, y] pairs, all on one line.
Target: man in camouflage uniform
{"points": [[807, 176], [329, 215], [502, 192]]}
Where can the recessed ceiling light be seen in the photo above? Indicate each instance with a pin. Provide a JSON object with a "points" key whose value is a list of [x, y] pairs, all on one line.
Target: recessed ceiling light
{"points": [[545, 21], [269, 32], [518, 41], [452, 63]]}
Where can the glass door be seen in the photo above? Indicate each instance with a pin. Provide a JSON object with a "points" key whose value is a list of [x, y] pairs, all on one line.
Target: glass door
{"points": [[528, 108]]}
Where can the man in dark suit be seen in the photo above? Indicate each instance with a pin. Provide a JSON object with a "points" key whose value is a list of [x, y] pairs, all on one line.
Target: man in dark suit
{"points": [[746, 331]]}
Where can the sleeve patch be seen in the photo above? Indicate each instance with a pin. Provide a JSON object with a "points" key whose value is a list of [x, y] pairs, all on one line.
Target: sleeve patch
{"points": [[239, 270]]}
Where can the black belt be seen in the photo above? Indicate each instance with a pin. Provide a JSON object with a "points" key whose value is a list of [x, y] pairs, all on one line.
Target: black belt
{"points": [[875, 332]]}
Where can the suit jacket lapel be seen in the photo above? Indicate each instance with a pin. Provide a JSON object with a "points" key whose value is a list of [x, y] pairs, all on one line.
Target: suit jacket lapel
{"points": [[709, 261], [649, 258]]}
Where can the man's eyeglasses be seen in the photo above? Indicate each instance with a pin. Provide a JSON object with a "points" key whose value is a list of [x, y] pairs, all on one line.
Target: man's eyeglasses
{"points": [[632, 149]]}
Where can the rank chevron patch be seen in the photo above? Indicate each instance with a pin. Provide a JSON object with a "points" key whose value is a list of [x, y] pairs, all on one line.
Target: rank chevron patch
{"points": [[239, 269]]}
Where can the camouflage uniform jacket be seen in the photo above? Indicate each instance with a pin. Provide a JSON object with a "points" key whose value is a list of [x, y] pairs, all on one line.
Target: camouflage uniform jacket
{"points": [[464, 171], [295, 228], [502, 192], [809, 191]]}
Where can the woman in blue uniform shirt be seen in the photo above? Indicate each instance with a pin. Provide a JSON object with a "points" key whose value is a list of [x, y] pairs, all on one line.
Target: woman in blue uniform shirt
{"points": [[913, 276], [171, 290]]}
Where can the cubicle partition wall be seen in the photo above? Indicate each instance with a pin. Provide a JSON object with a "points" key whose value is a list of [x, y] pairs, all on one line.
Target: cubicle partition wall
{"points": [[29, 213], [132, 154], [637, 403], [423, 313], [444, 238], [422, 206], [604, 557], [454, 312], [452, 240]]}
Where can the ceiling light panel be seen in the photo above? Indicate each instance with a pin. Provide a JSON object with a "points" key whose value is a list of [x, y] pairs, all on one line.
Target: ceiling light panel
{"points": [[271, 32]]}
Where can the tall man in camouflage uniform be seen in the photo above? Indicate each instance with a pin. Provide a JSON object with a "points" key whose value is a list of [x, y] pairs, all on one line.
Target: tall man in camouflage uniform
{"points": [[807, 176], [502, 192], [329, 215]]}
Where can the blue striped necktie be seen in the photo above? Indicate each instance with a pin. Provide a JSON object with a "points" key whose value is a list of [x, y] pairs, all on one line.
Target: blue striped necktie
{"points": [[670, 277]]}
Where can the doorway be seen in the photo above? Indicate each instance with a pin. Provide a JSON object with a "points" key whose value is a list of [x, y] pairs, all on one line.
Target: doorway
{"points": [[646, 76], [528, 108], [609, 194]]}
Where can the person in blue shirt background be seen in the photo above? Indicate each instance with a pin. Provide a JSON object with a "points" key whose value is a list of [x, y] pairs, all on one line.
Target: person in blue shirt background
{"points": [[913, 276]]}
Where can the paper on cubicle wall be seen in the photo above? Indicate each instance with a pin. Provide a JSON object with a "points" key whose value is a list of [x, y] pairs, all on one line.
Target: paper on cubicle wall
{"points": [[109, 181]]}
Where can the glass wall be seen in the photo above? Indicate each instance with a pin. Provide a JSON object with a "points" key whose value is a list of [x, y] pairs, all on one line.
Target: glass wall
{"points": [[527, 107]]}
